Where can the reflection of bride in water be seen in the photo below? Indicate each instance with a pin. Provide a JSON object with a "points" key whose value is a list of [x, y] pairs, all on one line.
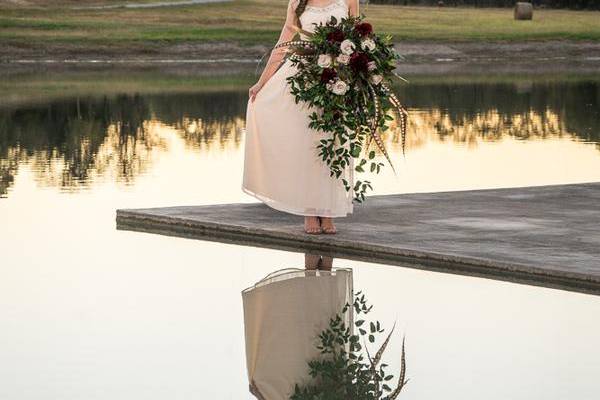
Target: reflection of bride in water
{"points": [[308, 337], [283, 315]]}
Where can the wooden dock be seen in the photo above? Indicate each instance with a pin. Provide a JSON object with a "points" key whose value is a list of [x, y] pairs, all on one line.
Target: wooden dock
{"points": [[547, 236]]}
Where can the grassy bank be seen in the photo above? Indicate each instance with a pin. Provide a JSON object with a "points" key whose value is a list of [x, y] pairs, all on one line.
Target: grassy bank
{"points": [[259, 21]]}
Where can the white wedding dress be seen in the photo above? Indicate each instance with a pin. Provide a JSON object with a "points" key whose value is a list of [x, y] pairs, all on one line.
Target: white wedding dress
{"points": [[282, 167]]}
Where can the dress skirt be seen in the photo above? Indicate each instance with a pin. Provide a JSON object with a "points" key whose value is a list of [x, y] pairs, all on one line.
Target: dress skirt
{"points": [[282, 167]]}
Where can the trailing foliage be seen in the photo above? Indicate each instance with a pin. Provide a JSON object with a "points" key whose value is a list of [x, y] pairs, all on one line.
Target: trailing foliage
{"points": [[346, 370]]}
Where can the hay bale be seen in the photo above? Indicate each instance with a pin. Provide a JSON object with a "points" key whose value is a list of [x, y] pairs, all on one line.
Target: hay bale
{"points": [[523, 11]]}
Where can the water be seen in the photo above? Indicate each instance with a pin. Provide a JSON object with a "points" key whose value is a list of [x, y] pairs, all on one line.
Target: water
{"points": [[91, 312]]}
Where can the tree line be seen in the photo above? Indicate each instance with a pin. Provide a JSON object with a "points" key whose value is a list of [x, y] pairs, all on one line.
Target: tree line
{"points": [[573, 4]]}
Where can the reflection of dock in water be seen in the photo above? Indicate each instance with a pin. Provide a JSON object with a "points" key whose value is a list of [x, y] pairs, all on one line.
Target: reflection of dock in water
{"points": [[546, 236]]}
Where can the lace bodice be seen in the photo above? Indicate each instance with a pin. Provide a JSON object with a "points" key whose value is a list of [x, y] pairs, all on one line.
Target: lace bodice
{"points": [[314, 15]]}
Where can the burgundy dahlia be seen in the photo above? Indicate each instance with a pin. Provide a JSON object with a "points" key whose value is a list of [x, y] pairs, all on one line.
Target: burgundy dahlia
{"points": [[335, 36], [328, 74], [359, 62], [364, 28]]}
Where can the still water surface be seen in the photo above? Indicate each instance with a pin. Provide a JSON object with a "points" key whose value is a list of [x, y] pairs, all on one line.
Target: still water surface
{"points": [[91, 312]]}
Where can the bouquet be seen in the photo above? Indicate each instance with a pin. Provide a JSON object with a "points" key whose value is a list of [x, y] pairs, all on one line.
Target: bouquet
{"points": [[343, 73]]}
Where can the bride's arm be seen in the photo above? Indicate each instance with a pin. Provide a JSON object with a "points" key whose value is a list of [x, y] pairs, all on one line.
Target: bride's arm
{"points": [[287, 33], [353, 8]]}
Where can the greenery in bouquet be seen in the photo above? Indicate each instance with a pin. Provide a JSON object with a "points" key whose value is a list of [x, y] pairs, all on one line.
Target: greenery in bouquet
{"points": [[343, 73], [346, 370]]}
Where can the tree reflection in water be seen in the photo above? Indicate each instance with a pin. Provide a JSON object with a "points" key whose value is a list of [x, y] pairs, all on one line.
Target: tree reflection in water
{"points": [[69, 143], [470, 113], [204, 120], [66, 142]]}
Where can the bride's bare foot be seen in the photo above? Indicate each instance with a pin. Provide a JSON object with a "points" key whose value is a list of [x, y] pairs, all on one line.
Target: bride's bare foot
{"points": [[327, 225], [311, 225]]}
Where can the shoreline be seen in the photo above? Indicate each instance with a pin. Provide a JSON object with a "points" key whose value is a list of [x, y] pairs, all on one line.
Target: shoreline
{"points": [[414, 52], [227, 58]]}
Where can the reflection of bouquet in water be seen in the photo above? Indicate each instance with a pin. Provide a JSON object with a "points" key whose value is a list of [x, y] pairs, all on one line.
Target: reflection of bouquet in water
{"points": [[343, 70], [343, 372]]}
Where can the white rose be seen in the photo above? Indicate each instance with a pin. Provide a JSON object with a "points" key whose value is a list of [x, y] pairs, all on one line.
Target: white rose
{"points": [[343, 59], [371, 66], [339, 87], [376, 79], [367, 44], [347, 47], [324, 61]]}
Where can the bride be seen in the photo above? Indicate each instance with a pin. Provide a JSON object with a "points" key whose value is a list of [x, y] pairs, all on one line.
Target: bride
{"points": [[282, 167]]}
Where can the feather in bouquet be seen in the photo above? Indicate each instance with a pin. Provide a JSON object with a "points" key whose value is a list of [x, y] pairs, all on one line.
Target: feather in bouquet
{"points": [[343, 73]]}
